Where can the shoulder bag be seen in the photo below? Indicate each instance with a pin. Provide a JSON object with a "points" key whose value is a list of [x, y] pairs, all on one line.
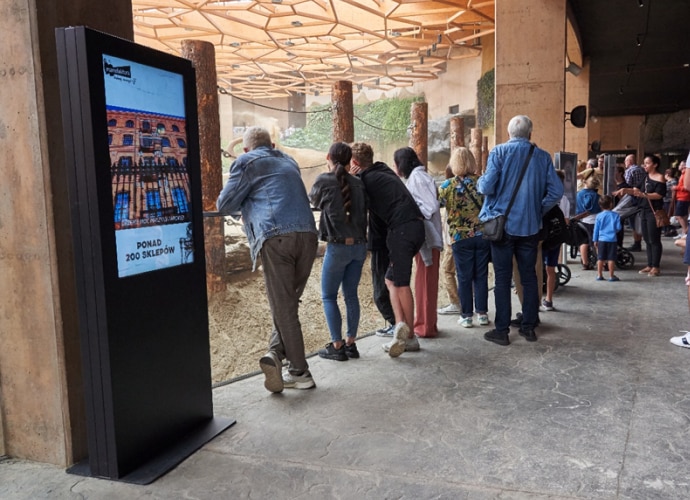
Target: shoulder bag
{"points": [[494, 227]]}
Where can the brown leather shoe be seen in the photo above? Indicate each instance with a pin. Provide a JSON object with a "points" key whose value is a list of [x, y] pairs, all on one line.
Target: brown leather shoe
{"points": [[646, 270], [654, 272]]}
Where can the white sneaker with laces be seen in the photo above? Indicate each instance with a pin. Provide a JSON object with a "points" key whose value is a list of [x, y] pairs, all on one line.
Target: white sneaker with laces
{"points": [[465, 322], [683, 340], [449, 309], [396, 347], [483, 319]]}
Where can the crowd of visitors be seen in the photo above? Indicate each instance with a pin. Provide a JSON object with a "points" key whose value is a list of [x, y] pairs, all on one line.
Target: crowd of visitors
{"points": [[395, 215]]}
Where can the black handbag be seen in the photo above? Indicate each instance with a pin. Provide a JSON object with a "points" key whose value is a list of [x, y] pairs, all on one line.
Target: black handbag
{"points": [[494, 228]]}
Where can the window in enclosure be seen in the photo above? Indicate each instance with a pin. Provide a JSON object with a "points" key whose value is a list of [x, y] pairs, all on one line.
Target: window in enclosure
{"points": [[112, 122], [129, 124], [127, 140]]}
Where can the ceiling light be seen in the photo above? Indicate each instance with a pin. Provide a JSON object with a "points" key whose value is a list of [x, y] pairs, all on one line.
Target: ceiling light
{"points": [[276, 1], [640, 3], [296, 24], [395, 33], [235, 66], [289, 43], [234, 44]]}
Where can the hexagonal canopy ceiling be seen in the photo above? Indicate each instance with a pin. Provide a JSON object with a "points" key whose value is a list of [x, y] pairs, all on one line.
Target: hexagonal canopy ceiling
{"points": [[274, 48]]}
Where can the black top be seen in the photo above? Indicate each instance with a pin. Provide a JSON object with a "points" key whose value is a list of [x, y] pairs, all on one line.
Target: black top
{"points": [[652, 186], [389, 199], [326, 195]]}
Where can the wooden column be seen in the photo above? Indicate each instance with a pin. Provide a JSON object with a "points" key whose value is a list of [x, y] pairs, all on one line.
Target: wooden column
{"points": [[203, 57], [343, 112], [476, 146], [420, 135], [485, 152], [457, 132]]}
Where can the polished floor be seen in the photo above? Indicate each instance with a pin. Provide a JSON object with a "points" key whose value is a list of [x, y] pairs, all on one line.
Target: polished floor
{"points": [[597, 408]]}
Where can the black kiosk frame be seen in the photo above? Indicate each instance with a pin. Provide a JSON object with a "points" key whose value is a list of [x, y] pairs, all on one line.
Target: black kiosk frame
{"points": [[134, 186]]}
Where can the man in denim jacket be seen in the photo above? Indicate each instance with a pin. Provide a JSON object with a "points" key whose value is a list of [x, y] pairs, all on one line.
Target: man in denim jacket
{"points": [[539, 191], [266, 187]]}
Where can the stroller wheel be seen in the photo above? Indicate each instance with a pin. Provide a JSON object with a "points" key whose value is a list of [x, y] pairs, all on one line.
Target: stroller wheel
{"points": [[624, 258], [573, 251], [562, 274]]}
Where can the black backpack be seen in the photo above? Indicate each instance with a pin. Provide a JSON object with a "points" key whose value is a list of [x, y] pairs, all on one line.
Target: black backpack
{"points": [[554, 231]]}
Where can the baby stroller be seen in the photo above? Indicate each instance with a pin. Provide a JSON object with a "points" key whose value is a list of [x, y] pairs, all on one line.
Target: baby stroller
{"points": [[579, 236]]}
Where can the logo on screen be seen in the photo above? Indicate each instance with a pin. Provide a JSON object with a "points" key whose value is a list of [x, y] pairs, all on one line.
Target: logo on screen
{"points": [[117, 71]]}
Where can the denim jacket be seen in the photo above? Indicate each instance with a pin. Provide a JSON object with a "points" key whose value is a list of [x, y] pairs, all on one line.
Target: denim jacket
{"points": [[266, 186], [539, 191]]}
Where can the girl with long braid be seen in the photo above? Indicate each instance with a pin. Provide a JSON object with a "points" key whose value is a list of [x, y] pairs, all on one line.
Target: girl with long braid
{"points": [[342, 200]]}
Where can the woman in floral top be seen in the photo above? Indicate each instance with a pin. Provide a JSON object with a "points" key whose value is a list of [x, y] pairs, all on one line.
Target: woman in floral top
{"points": [[471, 252]]}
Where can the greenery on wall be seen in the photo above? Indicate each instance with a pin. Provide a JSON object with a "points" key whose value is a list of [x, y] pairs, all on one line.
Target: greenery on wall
{"points": [[377, 122], [485, 99]]}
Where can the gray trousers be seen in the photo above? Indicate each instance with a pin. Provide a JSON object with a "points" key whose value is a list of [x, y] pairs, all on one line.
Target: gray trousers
{"points": [[287, 260]]}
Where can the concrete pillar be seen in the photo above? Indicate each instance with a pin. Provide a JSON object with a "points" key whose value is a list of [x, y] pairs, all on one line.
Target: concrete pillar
{"points": [[203, 57], [419, 140], [457, 132], [530, 68], [41, 394], [343, 112], [576, 94]]}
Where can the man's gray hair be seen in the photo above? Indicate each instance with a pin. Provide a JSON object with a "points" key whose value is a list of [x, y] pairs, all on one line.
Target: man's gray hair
{"points": [[520, 126], [255, 137]]}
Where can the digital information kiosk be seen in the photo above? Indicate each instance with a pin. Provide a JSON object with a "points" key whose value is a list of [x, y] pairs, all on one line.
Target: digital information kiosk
{"points": [[132, 156]]}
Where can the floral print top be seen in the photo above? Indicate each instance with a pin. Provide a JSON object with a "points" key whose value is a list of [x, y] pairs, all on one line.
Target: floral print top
{"points": [[456, 195]]}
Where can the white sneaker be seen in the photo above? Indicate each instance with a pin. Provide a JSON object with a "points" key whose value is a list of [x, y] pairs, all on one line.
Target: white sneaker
{"points": [[682, 341], [396, 347], [449, 309], [679, 236], [465, 322], [483, 319]]}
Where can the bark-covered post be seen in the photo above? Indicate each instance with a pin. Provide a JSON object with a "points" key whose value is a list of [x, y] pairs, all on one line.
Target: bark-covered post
{"points": [[343, 112], [419, 139], [203, 57], [476, 145], [485, 152], [457, 132]]}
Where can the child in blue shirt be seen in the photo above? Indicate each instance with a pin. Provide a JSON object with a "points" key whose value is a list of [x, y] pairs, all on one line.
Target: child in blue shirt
{"points": [[604, 236]]}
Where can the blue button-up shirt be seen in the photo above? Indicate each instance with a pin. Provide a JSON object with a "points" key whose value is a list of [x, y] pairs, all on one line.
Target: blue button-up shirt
{"points": [[540, 189], [266, 186]]}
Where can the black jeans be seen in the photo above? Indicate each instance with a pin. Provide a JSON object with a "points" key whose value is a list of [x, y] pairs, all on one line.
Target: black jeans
{"points": [[652, 238]]}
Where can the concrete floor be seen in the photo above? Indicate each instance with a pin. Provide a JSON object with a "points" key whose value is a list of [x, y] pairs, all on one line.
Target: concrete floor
{"points": [[596, 409]]}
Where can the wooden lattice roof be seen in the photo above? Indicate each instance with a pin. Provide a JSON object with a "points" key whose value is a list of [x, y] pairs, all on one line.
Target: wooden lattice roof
{"points": [[272, 48]]}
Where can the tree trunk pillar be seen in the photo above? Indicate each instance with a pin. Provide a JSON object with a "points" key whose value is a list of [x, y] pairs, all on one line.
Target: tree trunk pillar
{"points": [[203, 57], [419, 140], [457, 132], [343, 112], [476, 146], [485, 152]]}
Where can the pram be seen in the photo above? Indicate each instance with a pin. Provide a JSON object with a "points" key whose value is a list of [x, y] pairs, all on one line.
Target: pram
{"points": [[579, 236]]}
